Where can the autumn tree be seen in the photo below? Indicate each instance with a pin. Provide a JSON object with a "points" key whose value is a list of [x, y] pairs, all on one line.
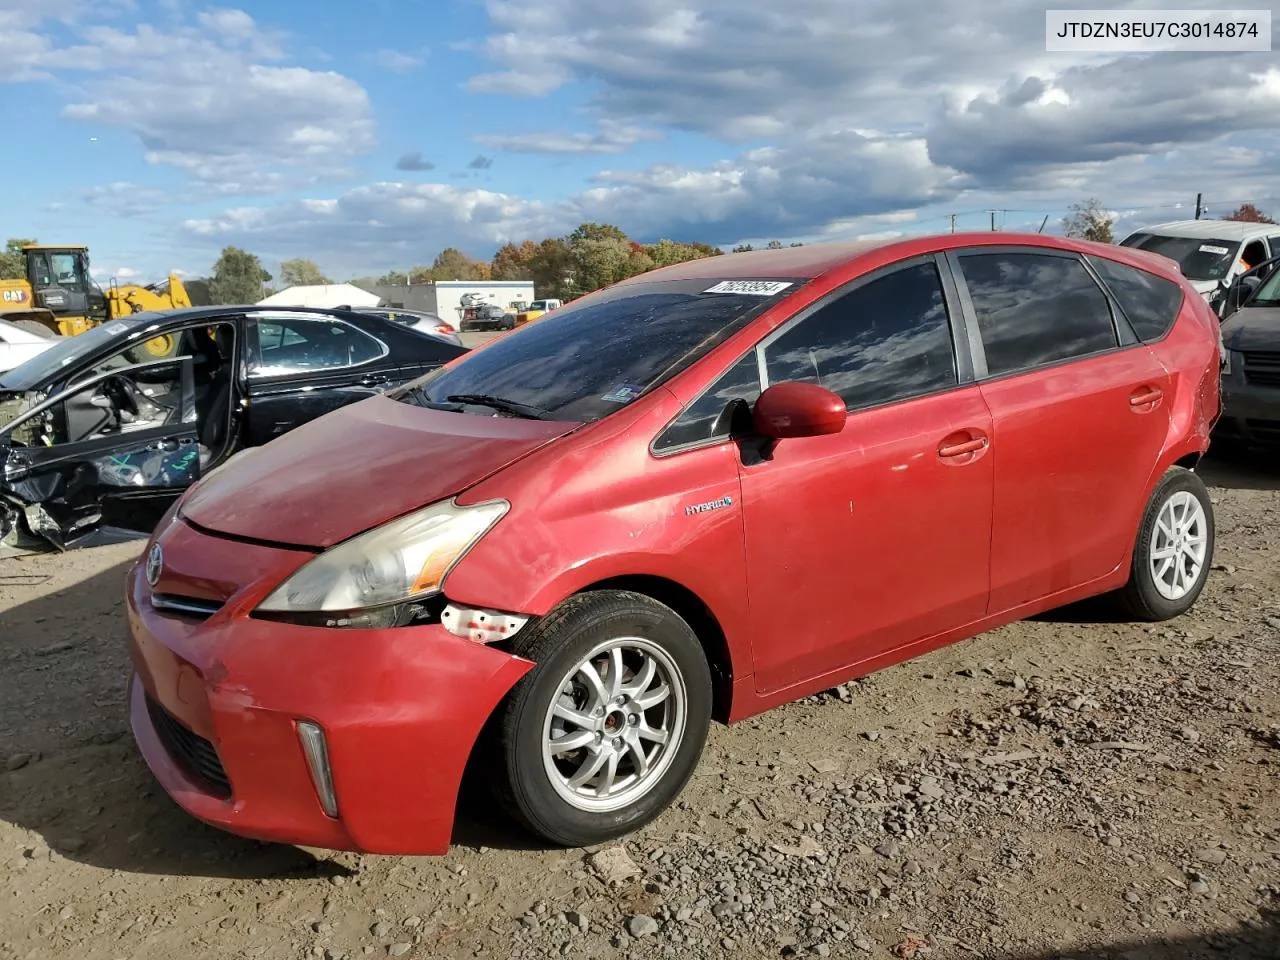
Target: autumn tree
{"points": [[1089, 221], [12, 265], [453, 264], [238, 277], [1247, 212], [513, 262], [301, 273]]}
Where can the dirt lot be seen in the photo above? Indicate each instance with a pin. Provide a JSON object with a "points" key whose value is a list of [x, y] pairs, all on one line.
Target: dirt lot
{"points": [[1072, 786]]}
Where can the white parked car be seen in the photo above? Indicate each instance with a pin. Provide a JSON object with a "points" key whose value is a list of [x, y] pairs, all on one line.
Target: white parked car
{"points": [[18, 345], [1211, 253]]}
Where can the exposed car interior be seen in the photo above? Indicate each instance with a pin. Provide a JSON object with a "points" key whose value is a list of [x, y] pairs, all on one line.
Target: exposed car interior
{"points": [[144, 396]]}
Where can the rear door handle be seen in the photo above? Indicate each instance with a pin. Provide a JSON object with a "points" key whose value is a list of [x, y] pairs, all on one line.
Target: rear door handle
{"points": [[950, 450]]}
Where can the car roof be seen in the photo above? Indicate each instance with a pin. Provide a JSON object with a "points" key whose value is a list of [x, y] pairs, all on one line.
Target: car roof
{"points": [[183, 314], [1212, 229], [811, 261]]}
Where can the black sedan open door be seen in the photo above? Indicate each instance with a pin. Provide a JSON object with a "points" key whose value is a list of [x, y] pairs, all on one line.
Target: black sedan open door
{"points": [[102, 453]]}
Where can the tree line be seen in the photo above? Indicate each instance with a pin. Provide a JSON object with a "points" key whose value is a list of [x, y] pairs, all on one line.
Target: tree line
{"points": [[592, 256]]}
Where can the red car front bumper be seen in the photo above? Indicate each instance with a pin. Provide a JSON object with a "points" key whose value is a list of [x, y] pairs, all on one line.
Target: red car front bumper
{"points": [[215, 704]]}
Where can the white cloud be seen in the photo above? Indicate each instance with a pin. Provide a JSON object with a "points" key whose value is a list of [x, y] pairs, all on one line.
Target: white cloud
{"points": [[399, 61], [194, 97], [609, 137]]}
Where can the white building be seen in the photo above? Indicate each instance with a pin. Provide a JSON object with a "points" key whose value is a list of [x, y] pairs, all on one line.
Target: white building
{"points": [[444, 297], [322, 295]]}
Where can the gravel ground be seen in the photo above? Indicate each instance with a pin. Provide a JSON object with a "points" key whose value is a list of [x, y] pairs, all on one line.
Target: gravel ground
{"points": [[1067, 787]]}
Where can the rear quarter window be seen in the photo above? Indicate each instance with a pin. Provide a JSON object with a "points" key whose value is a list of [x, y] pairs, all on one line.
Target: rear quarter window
{"points": [[1151, 303]]}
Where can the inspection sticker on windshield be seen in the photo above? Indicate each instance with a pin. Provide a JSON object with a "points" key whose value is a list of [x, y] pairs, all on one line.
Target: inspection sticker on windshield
{"points": [[752, 288], [623, 393], [1210, 248]]}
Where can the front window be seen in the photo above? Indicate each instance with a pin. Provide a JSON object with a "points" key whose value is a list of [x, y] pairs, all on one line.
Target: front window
{"points": [[1268, 294], [586, 360], [1200, 259]]}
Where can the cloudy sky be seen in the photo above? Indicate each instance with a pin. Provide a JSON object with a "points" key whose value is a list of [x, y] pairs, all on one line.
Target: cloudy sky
{"points": [[369, 135]]}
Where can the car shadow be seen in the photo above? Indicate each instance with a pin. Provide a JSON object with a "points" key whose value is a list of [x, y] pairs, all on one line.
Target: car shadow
{"points": [[70, 777], [1254, 941], [1241, 469]]}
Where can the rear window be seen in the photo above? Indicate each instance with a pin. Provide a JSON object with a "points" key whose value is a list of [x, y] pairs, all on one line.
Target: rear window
{"points": [[588, 359], [1151, 303]]}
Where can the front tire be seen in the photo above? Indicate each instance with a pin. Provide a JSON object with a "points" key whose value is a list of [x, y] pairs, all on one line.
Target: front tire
{"points": [[603, 734], [1174, 551]]}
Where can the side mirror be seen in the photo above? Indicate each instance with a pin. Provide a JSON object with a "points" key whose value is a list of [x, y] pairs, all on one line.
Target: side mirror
{"points": [[1238, 293], [789, 410]]}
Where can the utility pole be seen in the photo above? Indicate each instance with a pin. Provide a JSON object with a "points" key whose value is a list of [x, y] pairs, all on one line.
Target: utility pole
{"points": [[952, 218], [1199, 204], [993, 221]]}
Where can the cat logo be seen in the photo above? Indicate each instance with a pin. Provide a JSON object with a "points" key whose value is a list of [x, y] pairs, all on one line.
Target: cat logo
{"points": [[15, 296]]}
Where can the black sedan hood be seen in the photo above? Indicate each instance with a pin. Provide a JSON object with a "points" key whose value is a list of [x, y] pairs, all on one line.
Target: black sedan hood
{"points": [[1253, 328]]}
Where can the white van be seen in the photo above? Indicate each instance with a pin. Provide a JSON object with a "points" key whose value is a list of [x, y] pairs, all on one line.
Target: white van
{"points": [[1211, 253]]}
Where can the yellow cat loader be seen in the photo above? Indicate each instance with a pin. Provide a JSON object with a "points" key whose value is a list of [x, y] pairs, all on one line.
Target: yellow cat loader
{"points": [[57, 295]]}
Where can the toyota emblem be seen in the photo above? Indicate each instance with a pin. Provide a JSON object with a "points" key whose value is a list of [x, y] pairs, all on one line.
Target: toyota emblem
{"points": [[155, 565]]}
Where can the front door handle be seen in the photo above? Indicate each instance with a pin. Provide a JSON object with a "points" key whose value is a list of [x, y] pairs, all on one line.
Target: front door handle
{"points": [[949, 451], [1146, 397]]}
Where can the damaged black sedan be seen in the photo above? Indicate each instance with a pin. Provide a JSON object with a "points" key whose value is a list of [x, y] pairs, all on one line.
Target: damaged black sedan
{"points": [[100, 433]]}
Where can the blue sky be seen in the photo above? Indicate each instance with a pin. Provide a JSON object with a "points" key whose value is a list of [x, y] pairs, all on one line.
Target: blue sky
{"points": [[370, 135]]}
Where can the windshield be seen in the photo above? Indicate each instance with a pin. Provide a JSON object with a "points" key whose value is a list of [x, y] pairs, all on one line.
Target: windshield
{"points": [[586, 360], [67, 351], [1200, 259]]}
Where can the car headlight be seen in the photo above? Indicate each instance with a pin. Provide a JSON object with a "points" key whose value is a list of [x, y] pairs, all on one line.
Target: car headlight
{"points": [[381, 578]]}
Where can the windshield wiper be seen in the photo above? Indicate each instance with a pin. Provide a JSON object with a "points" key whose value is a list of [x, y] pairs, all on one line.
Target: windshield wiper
{"points": [[498, 403]]}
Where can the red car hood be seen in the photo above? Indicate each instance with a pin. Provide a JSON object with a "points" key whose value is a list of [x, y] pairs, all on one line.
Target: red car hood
{"points": [[358, 467]]}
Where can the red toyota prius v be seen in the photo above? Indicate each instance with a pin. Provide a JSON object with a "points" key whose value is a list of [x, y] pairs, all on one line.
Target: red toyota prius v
{"points": [[694, 495]]}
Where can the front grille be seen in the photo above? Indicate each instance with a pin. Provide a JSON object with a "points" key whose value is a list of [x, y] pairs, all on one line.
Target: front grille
{"points": [[1262, 369], [194, 608], [193, 753]]}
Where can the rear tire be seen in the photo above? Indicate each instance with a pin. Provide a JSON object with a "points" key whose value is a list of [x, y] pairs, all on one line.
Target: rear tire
{"points": [[1174, 550], [626, 680]]}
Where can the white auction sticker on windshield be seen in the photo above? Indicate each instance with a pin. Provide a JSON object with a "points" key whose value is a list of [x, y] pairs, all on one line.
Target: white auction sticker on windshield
{"points": [[1210, 248], [753, 288]]}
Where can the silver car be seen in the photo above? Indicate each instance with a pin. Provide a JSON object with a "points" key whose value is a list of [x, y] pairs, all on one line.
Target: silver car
{"points": [[418, 320]]}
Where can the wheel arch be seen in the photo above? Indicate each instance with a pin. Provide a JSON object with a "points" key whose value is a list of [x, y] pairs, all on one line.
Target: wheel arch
{"points": [[701, 619]]}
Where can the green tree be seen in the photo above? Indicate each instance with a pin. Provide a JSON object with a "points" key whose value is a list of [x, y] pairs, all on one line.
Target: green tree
{"points": [[595, 231], [453, 264], [596, 263], [640, 261], [301, 273], [551, 268], [774, 245], [12, 266], [394, 277], [237, 277], [743, 248], [513, 262], [1089, 221], [1246, 212], [667, 252]]}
